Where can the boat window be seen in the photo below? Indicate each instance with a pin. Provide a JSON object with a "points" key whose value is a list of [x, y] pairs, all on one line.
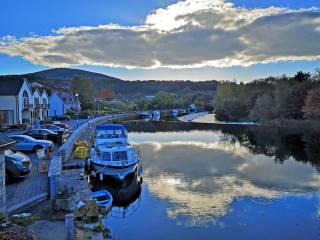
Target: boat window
{"points": [[120, 156], [106, 156], [101, 134], [111, 134]]}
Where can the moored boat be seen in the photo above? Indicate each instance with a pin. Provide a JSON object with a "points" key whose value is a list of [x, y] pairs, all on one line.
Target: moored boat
{"points": [[112, 155], [174, 112], [156, 115], [145, 116], [103, 198]]}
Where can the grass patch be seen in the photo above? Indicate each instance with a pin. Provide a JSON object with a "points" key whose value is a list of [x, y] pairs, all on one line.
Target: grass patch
{"points": [[24, 221], [89, 213], [101, 228]]}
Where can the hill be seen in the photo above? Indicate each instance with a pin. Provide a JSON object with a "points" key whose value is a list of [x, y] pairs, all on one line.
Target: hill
{"points": [[61, 78], [69, 73]]}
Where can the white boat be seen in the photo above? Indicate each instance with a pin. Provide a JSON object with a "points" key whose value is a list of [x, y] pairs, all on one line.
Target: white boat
{"points": [[112, 155], [174, 112], [103, 198], [156, 115], [145, 116]]}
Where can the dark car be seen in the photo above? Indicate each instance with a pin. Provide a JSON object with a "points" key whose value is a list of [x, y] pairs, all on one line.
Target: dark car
{"points": [[45, 134], [18, 165], [61, 118], [53, 128], [67, 128]]}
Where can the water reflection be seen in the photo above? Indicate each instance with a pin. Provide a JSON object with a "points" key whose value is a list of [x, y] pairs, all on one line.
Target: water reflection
{"points": [[197, 174], [202, 172], [202, 182]]}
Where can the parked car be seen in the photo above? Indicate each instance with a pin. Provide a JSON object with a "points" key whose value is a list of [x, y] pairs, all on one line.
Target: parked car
{"points": [[45, 134], [27, 143], [61, 118], [64, 126], [18, 165], [53, 128]]}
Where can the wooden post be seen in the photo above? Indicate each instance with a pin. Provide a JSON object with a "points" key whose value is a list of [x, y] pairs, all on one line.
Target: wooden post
{"points": [[69, 226]]}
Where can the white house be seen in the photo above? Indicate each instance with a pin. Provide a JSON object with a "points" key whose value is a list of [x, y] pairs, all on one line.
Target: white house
{"points": [[37, 104], [45, 104], [62, 103], [41, 106], [19, 104]]}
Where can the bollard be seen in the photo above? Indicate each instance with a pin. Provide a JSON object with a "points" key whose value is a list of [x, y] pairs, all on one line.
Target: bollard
{"points": [[69, 226], [101, 177]]}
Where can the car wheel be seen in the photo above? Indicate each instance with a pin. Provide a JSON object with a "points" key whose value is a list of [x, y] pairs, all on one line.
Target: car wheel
{"points": [[36, 148]]}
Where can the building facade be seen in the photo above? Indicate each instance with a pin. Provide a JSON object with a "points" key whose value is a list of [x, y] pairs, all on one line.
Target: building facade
{"points": [[19, 103], [62, 102]]}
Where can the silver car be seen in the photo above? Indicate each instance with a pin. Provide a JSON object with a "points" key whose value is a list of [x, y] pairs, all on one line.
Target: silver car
{"points": [[18, 165], [27, 143]]}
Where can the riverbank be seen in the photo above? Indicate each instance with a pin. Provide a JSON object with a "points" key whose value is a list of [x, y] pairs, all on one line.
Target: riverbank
{"points": [[205, 117], [191, 117], [286, 124]]}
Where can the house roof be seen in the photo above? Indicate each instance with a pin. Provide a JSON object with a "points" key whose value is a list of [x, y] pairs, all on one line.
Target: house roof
{"points": [[5, 141], [67, 97], [10, 85], [36, 89]]}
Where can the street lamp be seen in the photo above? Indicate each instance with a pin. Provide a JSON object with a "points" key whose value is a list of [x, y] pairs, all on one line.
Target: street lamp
{"points": [[77, 94]]}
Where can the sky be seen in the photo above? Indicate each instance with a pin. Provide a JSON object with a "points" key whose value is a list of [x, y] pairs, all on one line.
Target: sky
{"points": [[162, 39]]}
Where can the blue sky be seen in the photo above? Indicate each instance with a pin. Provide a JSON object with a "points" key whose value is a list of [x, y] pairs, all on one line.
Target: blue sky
{"points": [[24, 19]]}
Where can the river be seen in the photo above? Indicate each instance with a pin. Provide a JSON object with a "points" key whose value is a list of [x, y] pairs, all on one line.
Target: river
{"points": [[231, 182]]}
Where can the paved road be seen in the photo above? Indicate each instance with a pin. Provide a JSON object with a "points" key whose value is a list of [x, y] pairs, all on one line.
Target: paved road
{"points": [[35, 184], [32, 186]]}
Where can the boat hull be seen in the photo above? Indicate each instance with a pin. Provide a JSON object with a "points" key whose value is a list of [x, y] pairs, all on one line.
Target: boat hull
{"points": [[118, 173]]}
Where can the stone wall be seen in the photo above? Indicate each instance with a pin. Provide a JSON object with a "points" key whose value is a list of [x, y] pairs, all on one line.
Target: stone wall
{"points": [[3, 198]]}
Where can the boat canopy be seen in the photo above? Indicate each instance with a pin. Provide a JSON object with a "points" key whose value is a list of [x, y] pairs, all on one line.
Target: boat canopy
{"points": [[111, 127], [111, 131]]}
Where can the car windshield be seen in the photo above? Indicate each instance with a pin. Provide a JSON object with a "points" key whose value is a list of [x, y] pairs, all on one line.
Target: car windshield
{"points": [[46, 131]]}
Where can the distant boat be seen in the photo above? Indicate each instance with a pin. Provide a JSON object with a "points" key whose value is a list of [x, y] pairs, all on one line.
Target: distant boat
{"points": [[112, 155], [156, 115], [103, 198], [145, 116], [174, 112]]}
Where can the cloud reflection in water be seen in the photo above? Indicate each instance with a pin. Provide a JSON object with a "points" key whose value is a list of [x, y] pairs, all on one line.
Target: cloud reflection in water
{"points": [[201, 173]]}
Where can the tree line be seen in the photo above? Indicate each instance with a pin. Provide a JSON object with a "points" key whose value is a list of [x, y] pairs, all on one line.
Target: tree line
{"points": [[272, 98]]}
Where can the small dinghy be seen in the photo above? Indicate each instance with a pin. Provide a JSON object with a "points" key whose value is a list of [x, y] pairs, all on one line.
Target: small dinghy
{"points": [[103, 198]]}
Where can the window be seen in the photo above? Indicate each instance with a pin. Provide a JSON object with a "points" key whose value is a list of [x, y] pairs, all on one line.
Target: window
{"points": [[25, 99], [101, 134], [120, 156], [18, 139], [106, 156]]}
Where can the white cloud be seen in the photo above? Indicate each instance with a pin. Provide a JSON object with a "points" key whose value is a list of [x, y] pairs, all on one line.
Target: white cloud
{"points": [[190, 33]]}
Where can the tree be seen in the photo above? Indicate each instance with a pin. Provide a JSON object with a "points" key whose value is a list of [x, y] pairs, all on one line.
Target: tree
{"points": [[86, 90], [164, 100], [263, 108], [302, 76], [107, 94], [311, 108]]}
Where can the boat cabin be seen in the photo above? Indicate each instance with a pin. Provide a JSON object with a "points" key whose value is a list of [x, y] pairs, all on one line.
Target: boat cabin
{"points": [[111, 134]]}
